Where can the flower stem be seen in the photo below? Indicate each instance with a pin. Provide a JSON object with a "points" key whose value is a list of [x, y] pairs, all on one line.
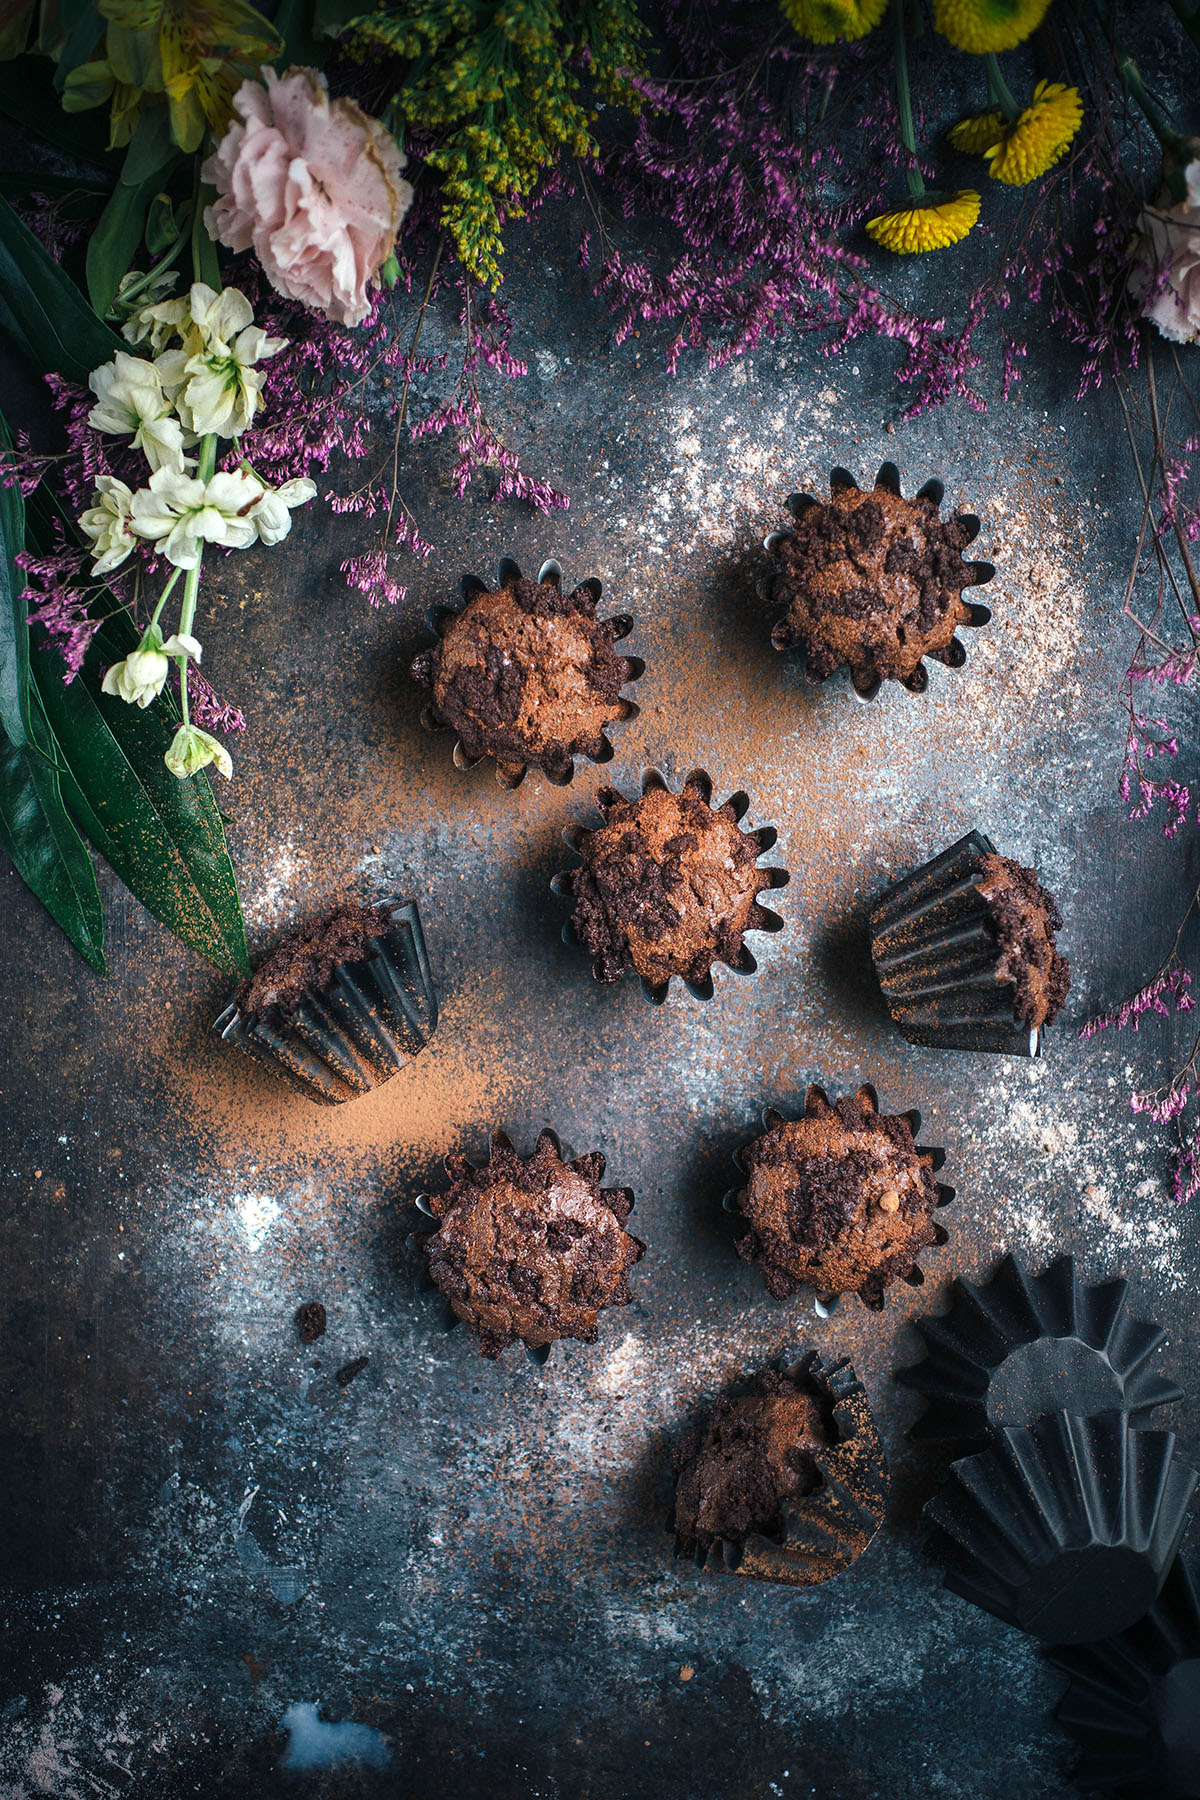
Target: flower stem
{"points": [[165, 595], [1157, 119], [204, 252], [137, 288], [908, 136], [191, 584], [998, 89]]}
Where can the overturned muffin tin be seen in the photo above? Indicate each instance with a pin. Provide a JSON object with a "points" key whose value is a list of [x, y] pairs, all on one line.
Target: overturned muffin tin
{"points": [[511, 775], [1009, 1350], [825, 1305], [762, 918], [375, 1015], [1065, 1528], [955, 653], [826, 1531], [1133, 1701], [936, 958]]}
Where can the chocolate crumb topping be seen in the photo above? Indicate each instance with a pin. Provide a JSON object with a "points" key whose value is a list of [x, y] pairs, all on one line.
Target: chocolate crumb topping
{"points": [[668, 886], [531, 1248], [310, 1321], [839, 1201], [527, 674], [1023, 918], [873, 582], [305, 961], [755, 1452]]}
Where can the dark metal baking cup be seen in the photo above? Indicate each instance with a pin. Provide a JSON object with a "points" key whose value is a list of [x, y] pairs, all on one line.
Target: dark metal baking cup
{"points": [[825, 1305], [538, 1353], [1066, 1528], [955, 653], [826, 1531], [763, 919], [936, 958], [1133, 1701], [372, 1017], [511, 775], [1018, 1346]]}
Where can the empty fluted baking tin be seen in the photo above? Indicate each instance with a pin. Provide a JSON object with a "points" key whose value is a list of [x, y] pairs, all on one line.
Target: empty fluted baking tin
{"points": [[1133, 1701], [1065, 1528], [1011, 1349]]}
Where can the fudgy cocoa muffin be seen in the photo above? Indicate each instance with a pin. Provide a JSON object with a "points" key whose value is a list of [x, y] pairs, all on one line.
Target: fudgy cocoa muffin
{"points": [[840, 1200], [528, 674], [874, 582], [734, 1473], [531, 1247], [1024, 918], [669, 884], [305, 961]]}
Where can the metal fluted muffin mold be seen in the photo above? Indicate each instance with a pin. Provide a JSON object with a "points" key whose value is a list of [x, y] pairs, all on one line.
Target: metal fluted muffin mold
{"points": [[1011, 1349], [936, 957], [761, 918], [1067, 1528], [824, 1304], [455, 1165], [1133, 1700], [512, 774], [827, 1530], [374, 1015], [955, 653]]}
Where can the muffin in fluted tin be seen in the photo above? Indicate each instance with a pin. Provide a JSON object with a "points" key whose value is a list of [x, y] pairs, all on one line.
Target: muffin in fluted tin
{"points": [[525, 672], [669, 886], [873, 583]]}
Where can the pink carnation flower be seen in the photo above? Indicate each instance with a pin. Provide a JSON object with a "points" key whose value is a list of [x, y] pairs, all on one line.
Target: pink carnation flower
{"points": [[1168, 272], [313, 186]]}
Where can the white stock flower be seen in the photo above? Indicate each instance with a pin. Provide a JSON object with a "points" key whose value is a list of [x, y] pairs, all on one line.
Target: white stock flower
{"points": [[272, 515], [181, 514], [192, 749], [213, 379], [131, 403], [107, 524], [141, 676], [157, 323]]}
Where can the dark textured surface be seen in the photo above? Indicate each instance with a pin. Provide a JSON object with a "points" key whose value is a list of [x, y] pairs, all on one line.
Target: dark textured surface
{"points": [[201, 1527]]}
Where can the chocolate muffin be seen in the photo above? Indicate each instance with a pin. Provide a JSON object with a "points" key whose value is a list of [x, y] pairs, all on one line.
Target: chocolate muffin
{"points": [[306, 960], [527, 674], [1023, 918], [342, 1003], [755, 1452], [874, 582], [966, 954], [670, 885], [840, 1200], [531, 1247]]}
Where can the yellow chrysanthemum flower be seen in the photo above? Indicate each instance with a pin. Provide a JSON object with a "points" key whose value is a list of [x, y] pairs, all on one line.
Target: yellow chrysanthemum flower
{"points": [[1037, 140], [980, 25], [978, 135], [928, 223], [834, 21]]}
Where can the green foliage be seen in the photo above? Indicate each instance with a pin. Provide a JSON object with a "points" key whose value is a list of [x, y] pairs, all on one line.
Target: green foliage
{"points": [[42, 312], [500, 86]]}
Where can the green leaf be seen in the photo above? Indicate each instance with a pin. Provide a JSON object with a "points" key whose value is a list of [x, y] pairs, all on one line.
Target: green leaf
{"points": [[47, 852], [14, 631], [84, 33], [113, 245], [162, 228], [42, 312], [162, 836], [27, 95]]}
